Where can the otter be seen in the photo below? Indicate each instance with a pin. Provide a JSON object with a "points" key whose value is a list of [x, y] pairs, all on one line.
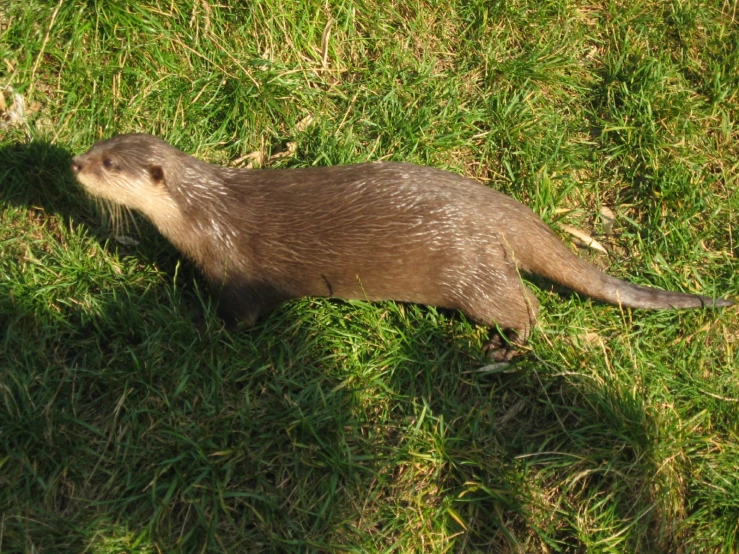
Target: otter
{"points": [[369, 231]]}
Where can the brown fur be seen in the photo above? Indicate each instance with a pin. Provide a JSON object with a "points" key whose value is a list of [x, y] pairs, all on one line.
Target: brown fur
{"points": [[375, 231]]}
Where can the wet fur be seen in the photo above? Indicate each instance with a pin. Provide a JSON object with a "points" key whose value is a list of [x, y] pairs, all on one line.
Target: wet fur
{"points": [[374, 231]]}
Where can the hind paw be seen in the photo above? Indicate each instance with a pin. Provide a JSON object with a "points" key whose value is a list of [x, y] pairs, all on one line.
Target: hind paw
{"points": [[502, 346]]}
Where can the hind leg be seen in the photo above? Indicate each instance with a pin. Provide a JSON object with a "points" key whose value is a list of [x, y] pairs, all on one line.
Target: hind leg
{"points": [[511, 307]]}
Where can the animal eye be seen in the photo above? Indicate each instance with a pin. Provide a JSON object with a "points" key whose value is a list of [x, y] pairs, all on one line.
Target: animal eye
{"points": [[107, 163]]}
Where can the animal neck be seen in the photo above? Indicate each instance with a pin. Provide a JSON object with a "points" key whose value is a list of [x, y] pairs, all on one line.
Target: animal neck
{"points": [[206, 237]]}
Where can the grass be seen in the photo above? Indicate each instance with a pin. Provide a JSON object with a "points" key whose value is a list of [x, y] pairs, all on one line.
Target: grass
{"points": [[130, 421]]}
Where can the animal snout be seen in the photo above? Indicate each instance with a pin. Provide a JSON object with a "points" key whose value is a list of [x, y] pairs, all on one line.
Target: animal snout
{"points": [[76, 164]]}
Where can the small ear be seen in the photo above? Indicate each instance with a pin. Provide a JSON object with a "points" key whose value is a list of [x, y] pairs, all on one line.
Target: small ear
{"points": [[157, 173]]}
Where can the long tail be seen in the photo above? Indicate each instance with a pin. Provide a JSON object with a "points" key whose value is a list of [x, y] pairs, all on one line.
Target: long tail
{"points": [[541, 252]]}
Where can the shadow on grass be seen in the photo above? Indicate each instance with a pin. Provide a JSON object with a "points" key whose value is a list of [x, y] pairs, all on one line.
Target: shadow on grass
{"points": [[328, 425], [522, 455]]}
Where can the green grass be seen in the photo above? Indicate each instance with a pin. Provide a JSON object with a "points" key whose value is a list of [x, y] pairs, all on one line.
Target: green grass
{"points": [[130, 421]]}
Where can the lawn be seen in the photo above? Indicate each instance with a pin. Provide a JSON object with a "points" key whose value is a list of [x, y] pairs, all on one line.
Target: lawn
{"points": [[132, 421]]}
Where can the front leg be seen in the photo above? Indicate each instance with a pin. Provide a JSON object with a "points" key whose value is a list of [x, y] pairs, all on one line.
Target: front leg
{"points": [[243, 302]]}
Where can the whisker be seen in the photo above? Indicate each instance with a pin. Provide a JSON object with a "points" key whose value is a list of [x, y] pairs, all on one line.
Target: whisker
{"points": [[131, 217], [117, 220]]}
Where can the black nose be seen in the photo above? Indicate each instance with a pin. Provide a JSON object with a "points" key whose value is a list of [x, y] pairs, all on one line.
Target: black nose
{"points": [[76, 165]]}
